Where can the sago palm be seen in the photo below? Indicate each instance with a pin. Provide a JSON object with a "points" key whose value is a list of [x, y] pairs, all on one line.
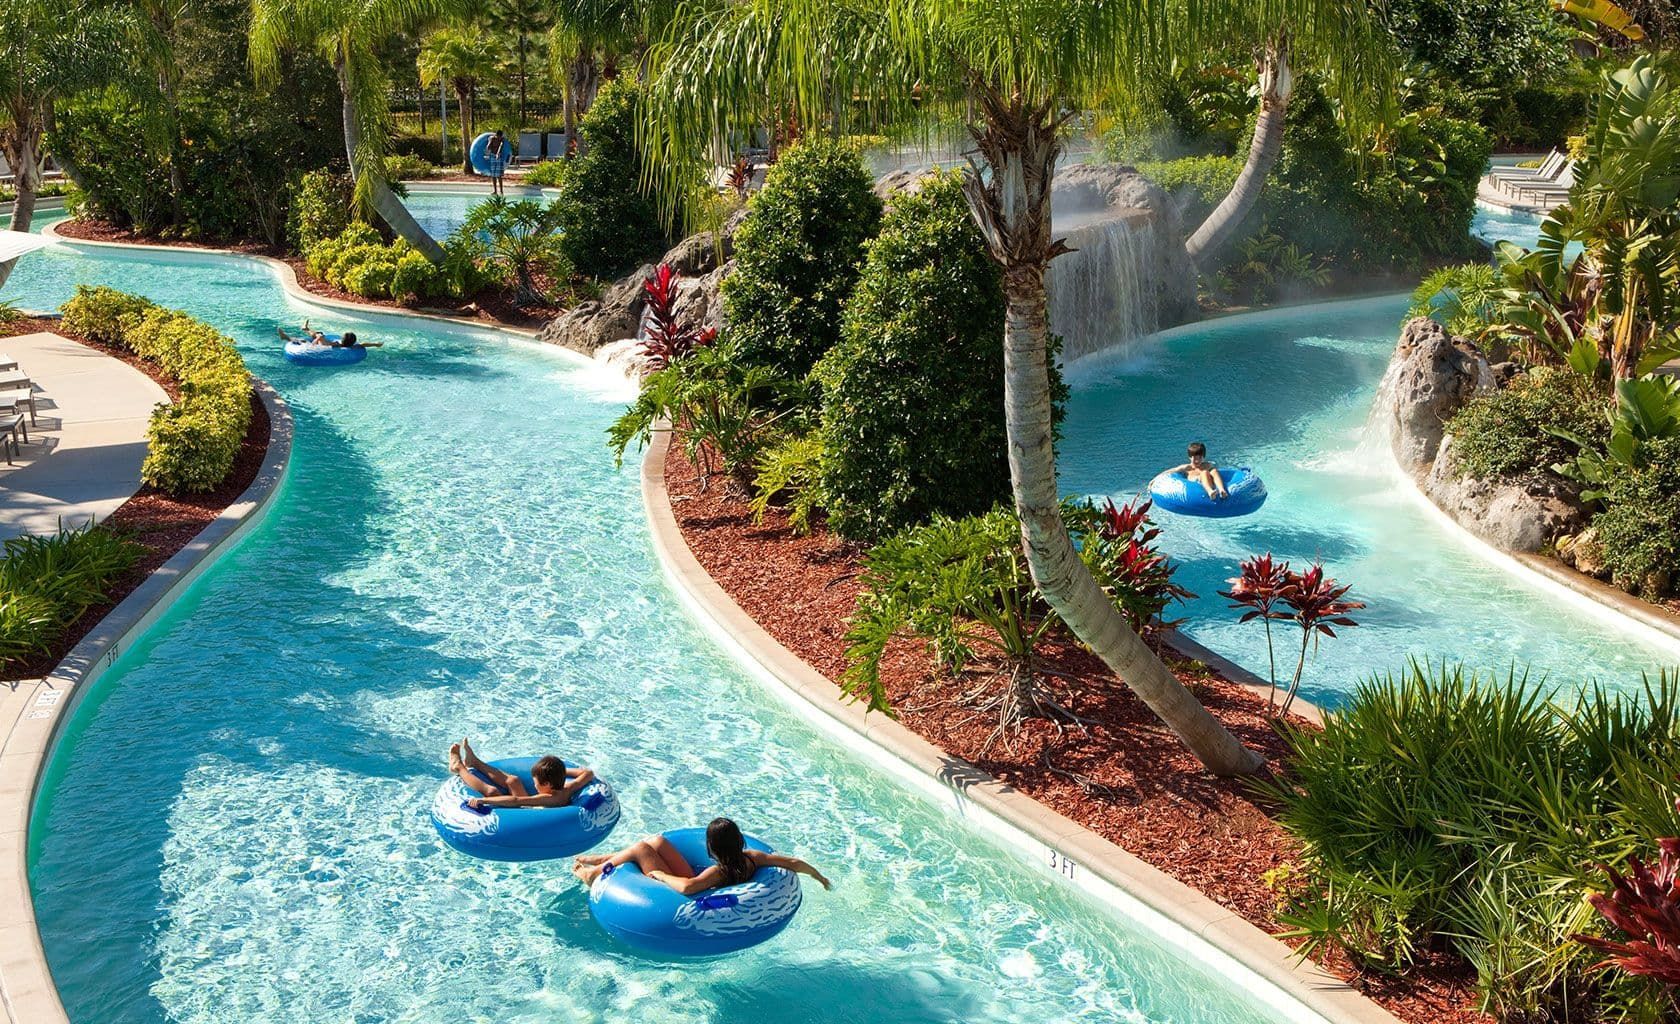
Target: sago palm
{"points": [[345, 34], [460, 55], [1024, 68]]}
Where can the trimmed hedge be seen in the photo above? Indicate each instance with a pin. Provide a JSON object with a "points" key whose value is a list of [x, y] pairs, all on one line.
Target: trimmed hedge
{"points": [[192, 443], [912, 411], [358, 261]]}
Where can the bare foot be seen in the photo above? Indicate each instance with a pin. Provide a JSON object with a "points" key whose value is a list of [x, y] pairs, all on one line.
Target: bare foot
{"points": [[467, 754], [591, 858], [586, 873], [455, 763]]}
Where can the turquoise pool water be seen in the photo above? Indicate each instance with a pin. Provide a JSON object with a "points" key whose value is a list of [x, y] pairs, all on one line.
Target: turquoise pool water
{"points": [[1289, 393], [234, 826]]}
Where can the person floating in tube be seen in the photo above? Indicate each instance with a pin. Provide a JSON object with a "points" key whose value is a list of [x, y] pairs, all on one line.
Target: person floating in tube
{"points": [[556, 783], [1203, 472], [311, 336], [660, 861]]}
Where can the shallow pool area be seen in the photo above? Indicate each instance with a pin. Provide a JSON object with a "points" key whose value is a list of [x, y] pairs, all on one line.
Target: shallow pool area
{"points": [[234, 826]]}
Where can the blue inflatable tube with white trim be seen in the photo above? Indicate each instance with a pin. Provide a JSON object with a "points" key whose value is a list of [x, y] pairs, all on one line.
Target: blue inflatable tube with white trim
{"points": [[655, 918], [523, 833], [1177, 493], [307, 353], [479, 155]]}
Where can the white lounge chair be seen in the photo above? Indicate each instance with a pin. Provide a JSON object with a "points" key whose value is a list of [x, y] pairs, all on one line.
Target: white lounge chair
{"points": [[1547, 171], [1546, 189]]}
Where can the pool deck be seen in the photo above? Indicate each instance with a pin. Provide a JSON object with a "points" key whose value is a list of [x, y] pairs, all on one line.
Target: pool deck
{"points": [[85, 449]]}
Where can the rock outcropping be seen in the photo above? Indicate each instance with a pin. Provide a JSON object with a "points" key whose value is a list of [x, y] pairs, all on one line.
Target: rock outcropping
{"points": [[1432, 375]]}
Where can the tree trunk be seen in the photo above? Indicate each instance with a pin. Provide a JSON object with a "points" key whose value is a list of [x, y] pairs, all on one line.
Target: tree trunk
{"points": [[379, 195], [1277, 84], [49, 122], [521, 82], [583, 81], [20, 143], [1011, 204], [461, 99]]}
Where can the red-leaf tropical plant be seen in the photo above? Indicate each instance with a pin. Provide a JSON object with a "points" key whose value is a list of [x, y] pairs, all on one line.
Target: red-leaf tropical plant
{"points": [[669, 337], [1118, 545], [1644, 905], [1312, 600], [740, 176]]}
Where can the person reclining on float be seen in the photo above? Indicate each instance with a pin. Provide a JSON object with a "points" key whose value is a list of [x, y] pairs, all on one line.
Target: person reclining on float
{"points": [[660, 861], [1203, 472], [556, 783], [314, 337]]}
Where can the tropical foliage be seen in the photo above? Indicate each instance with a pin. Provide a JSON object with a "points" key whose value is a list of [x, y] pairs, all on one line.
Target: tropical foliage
{"points": [[610, 223], [521, 242], [48, 582]]}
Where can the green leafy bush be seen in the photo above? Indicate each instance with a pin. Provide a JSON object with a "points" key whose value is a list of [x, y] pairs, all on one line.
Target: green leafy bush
{"points": [[912, 394], [790, 475], [408, 167], [1197, 182], [611, 224], [1639, 526], [1460, 298], [798, 255], [1436, 809], [522, 242], [320, 209], [414, 277], [358, 261], [191, 444], [1508, 432], [548, 174], [48, 582]]}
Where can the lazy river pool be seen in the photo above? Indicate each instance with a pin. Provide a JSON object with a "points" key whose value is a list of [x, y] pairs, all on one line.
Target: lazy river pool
{"points": [[233, 826]]}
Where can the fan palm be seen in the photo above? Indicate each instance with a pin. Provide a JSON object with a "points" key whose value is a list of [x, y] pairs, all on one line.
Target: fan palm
{"points": [[1024, 68], [587, 34], [345, 34], [460, 55]]}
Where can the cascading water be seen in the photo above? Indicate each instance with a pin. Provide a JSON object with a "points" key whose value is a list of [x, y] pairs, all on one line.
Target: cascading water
{"points": [[1103, 295]]}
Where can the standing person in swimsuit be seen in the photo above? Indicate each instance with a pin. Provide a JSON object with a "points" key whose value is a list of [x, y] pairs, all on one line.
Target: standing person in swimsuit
{"points": [[496, 155], [660, 861]]}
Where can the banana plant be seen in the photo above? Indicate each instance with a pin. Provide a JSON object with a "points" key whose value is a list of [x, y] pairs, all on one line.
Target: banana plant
{"points": [[1647, 409]]}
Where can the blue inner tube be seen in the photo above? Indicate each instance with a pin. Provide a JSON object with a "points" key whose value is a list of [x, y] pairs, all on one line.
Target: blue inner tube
{"points": [[523, 833], [655, 918], [307, 353], [1177, 493], [479, 154]]}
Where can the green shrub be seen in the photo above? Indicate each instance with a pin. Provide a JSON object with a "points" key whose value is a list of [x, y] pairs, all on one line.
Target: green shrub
{"points": [[611, 224], [1436, 809], [1506, 433], [548, 174], [320, 209], [789, 475], [414, 277], [321, 256], [48, 582], [912, 394], [407, 167], [1198, 182], [798, 255], [1639, 526], [372, 278], [101, 314], [191, 444]]}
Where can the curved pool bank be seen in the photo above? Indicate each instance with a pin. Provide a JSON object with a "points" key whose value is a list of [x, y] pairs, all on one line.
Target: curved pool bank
{"points": [[1059, 847], [34, 714], [454, 553]]}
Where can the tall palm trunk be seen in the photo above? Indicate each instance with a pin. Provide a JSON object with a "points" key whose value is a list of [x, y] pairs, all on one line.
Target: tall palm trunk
{"points": [[1277, 84], [384, 202], [20, 144], [583, 80], [1010, 201], [463, 98]]}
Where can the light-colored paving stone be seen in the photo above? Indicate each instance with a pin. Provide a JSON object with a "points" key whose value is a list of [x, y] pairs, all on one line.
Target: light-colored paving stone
{"points": [[84, 452]]}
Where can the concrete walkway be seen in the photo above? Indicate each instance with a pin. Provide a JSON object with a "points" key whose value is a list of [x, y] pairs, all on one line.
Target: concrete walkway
{"points": [[83, 456]]}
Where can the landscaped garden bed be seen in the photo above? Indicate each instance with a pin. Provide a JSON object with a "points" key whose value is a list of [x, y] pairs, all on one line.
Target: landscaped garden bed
{"points": [[1123, 774]]}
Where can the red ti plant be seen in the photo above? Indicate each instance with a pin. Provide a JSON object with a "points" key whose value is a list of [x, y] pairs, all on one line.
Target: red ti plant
{"points": [[669, 336], [1260, 588], [1120, 550], [1312, 600], [1644, 905], [740, 176]]}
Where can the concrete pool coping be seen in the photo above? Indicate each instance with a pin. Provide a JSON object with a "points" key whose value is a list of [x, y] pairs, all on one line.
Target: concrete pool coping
{"points": [[34, 713], [1168, 910]]}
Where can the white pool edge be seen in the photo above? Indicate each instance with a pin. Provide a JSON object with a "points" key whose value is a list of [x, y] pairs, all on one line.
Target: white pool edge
{"points": [[1178, 916], [35, 712]]}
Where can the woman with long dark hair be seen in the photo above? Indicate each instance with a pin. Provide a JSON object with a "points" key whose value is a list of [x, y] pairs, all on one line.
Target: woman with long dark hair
{"points": [[659, 860]]}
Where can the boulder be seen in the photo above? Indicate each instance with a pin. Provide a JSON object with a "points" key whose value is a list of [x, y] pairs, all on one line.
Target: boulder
{"points": [[1431, 376], [1587, 553], [1519, 514]]}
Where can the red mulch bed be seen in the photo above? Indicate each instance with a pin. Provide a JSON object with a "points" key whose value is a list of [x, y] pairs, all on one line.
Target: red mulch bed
{"points": [[491, 306], [162, 524], [1140, 788]]}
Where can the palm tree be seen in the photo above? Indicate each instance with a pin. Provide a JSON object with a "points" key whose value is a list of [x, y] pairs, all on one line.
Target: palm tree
{"points": [[158, 24], [1026, 67], [345, 33], [458, 54], [586, 36], [46, 51]]}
